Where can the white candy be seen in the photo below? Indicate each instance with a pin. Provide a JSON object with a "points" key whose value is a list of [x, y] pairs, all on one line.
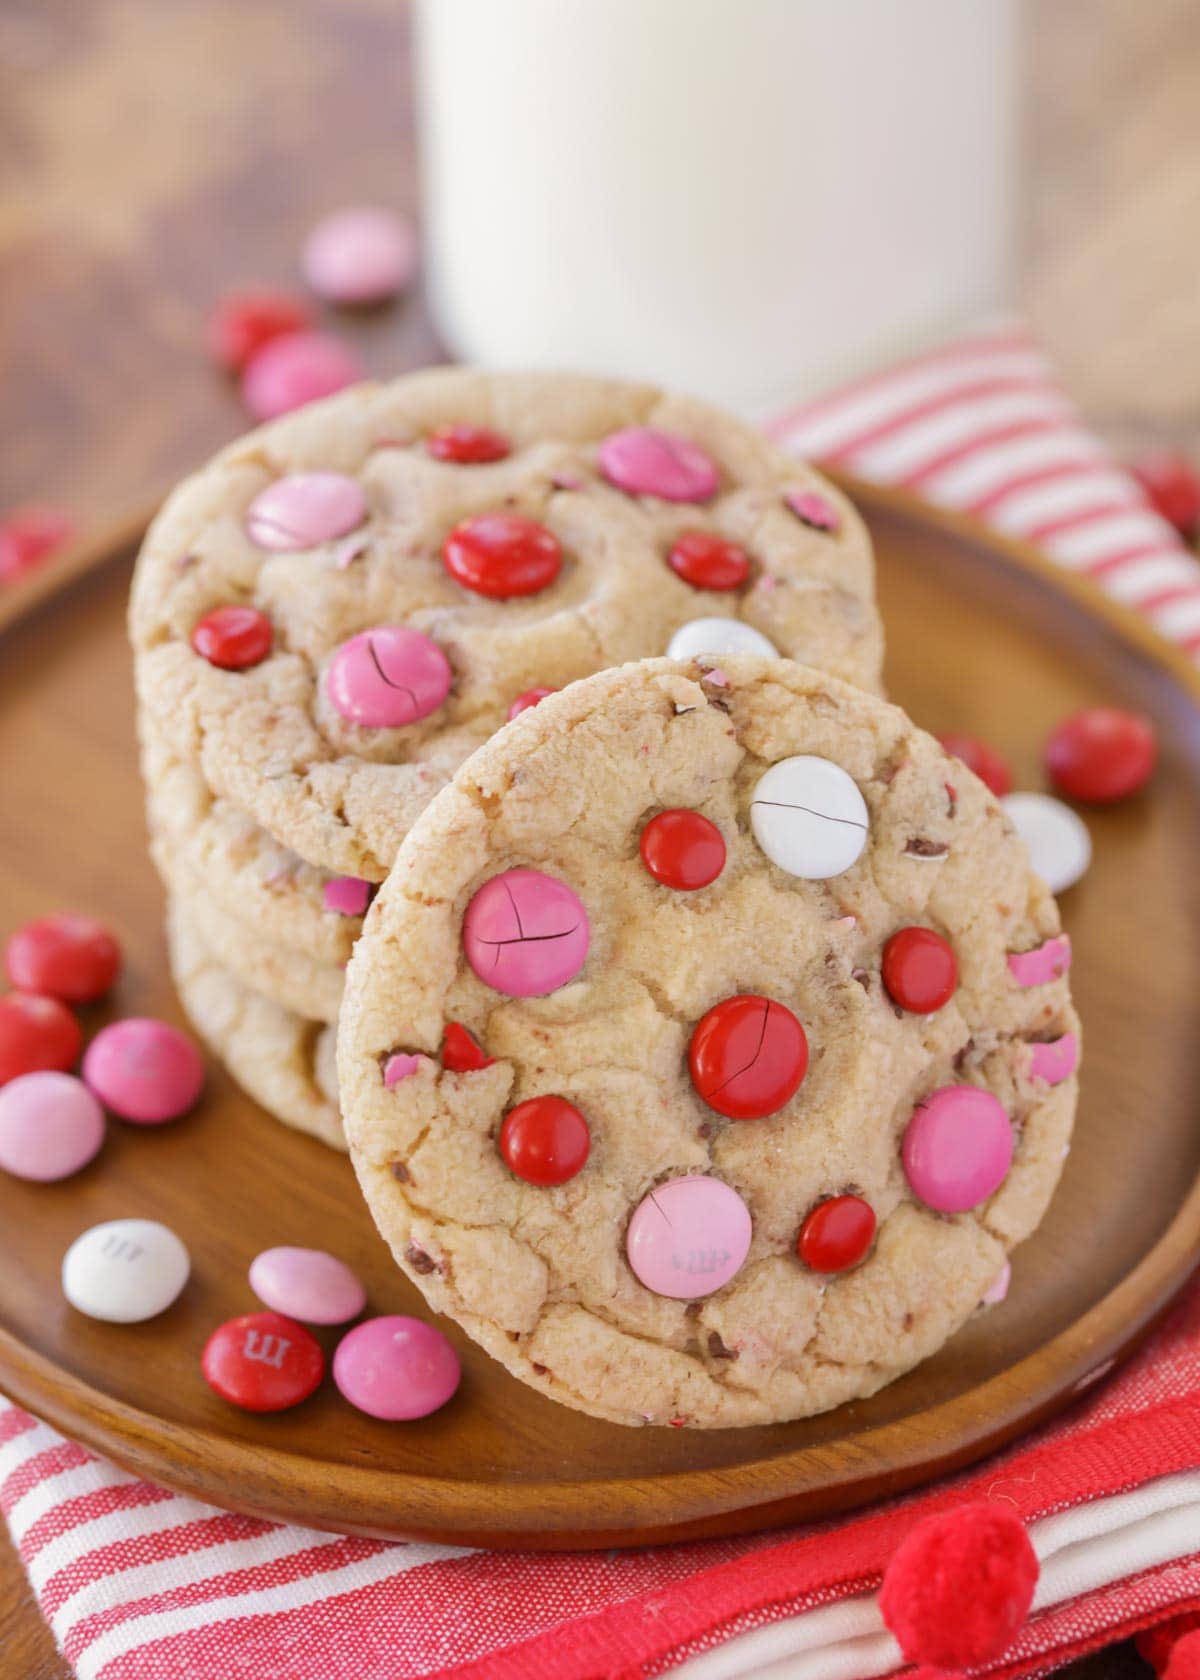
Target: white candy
{"points": [[1060, 847], [719, 635], [125, 1270], [809, 817]]}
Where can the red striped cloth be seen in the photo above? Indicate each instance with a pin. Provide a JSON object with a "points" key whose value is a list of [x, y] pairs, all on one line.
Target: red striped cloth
{"points": [[141, 1584]]}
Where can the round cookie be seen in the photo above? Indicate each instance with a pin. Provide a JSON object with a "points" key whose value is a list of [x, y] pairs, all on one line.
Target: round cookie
{"points": [[734, 1042], [400, 601], [285, 1063]]}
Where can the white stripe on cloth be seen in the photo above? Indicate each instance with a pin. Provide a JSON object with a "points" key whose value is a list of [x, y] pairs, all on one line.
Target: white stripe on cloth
{"points": [[1092, 543], [1080, 1550], [125, 1523], [21, 1448], [1142, 578], [1059, 498], [260, 1601], [914, 448], [990, 471]]}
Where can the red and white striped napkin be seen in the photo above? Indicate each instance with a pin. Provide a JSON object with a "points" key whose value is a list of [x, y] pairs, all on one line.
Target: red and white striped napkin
{"points": [[141, 1584]]}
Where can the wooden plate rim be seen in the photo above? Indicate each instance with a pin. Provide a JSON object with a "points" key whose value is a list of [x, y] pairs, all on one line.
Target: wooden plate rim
{"points": [[289, 1486]]}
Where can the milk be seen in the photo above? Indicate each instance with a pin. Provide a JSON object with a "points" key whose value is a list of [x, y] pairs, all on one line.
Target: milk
{"points": [[750, 199]]}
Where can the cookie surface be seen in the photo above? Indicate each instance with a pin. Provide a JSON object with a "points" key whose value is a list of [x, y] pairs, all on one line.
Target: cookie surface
{"points": [[686, 1259], [285, 1062], [368, 606]]}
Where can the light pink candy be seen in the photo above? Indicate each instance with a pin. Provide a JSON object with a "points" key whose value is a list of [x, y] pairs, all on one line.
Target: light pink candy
{"points": [[144, 1070], [1055, 1061], [388, 677], [998, 1290], [347, 895], [308, 1284], [296, 369], [813, 509], [359, 255], [400, 1066], [644, 462], [303, 510], [396, 1368], [958, 1148], [525, 933], [1039, 967], [689, 1237], [50, 1126]]}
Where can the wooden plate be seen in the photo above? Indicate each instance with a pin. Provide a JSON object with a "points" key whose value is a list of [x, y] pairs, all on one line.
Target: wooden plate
{"points": [[983, 636]]}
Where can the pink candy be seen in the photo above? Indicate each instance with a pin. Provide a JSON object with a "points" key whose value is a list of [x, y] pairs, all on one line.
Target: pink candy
{"points": [[1055, 1061], [50, 1126], [644, 462], [297, 369], [689, 1237], [307, 1284], [997, 1290], [388, 677], [396, 1368], [303, 510], [958, 1148], [359, 255], [813, 509], [347, 895], [144, 1070], [525, 933], [401, 1065], [1039, 967]]}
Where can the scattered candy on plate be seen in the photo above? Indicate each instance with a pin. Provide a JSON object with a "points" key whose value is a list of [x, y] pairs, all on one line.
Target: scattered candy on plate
{"points": [[262, 1362], [144, 1070], [396, 1368], [360, 255], [29, 536], [245, 320], [1060, 846], [50, 1126], [297, 369], [36, 1033], [1101, 755], [307, 1284], [125, 1270], [72, 958], [989, 765]]}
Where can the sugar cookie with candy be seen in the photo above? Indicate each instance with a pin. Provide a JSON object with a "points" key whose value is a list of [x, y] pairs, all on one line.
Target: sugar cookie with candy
{"points": [[330, 616], [775, 1053]]}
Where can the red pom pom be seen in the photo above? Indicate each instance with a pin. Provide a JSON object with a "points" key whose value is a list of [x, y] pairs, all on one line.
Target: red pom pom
{"points": [[1184, 1660], [1157, 1642], [959, 1586]]}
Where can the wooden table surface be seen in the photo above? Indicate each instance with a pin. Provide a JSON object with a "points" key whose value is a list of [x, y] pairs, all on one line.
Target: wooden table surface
{"points": [[151, 156]]}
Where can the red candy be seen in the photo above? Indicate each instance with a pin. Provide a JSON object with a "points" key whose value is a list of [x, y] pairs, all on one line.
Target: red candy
{"points": [[1101, 755], [959, 1586], [683, 850], [245, 320], [985, 761], [748, 1056], [36, 1034], [1184, 1660], [233, 638], [501, 555], [836, 1234], [262, 1362], [467, 446], [545, 1140], [707, 561], [920, 971], [1172, 487], [72, 958], [460, 1052], [525, 702], [29, 536]]}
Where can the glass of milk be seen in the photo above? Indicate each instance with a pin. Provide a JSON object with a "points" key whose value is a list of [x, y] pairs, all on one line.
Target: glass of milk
{"points": [[748, 199]]}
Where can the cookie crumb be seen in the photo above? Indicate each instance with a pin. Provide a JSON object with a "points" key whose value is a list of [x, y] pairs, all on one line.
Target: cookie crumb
{"points": [[419, 1260], [919, 847]]}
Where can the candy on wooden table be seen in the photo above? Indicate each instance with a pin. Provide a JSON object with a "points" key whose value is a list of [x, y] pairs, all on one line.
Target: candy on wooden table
{"points": [[304, 509], [396, 1368], [50, 1126], [688, 1237], [245, 320], [297, 369], [502, 555], [144, 1070], [981, 758], [642, 461], [719, 635], [957, 1148], [262, 1362], [362, 254], [545, 1140], [125, 1270], [525, 933], [31, 535], [388, 677], [809, 817], [1060, 847], [1101, 754], [73, 958], [307, 1284], [36, 1033]]}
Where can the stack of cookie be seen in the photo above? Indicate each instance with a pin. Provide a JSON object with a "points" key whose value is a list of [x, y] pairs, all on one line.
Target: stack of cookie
{"points": [[335, 613]]}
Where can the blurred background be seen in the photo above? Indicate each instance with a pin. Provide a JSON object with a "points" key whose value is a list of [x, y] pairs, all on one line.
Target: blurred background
{"points": [[155, 156]]}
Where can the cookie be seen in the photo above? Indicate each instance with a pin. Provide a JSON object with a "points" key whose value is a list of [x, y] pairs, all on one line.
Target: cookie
{"points": [[285, 1063], [336, 611], [695, 1162]]}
